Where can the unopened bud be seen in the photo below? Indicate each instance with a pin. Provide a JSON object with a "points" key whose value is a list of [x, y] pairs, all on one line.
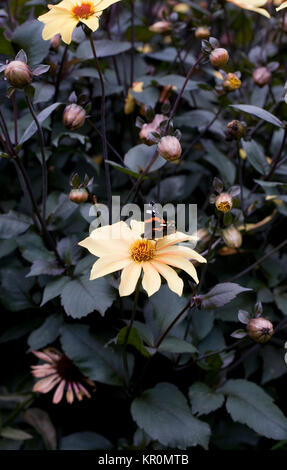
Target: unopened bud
{"points": [[79, 195], [181, 8], [18, 74], [232, 237], [219, 57], [260, 329], [261, 76], [202, 32], [169, 148], [153, 126], [55, 42], [160, 27], [235, 129], [74, 116], [223, 202], [231, 82]]}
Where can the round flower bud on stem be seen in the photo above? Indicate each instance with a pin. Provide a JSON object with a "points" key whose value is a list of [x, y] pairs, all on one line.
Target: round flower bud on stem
{"points": [[202, 32], [74, 116], [223, 202], [260, 329], [219, 57], [232, 237], [79, 195], [18, 74], [261, 76], [160, 27], [169, 148], [235, 129]]}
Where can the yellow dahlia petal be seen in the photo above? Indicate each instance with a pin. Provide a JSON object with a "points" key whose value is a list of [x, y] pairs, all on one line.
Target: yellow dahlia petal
{"points": [[102, 4], [107, 265], [129, 278], [172, 239], [92, 22], [172, 278], [67, 30], [101, 247], [181, 263], [284, 5], [117, 231], [181, 251], [137, 227], [151, 279]]}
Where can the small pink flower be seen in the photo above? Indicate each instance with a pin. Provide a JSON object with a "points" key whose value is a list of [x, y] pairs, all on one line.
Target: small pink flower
{"points": [[58, 370]]}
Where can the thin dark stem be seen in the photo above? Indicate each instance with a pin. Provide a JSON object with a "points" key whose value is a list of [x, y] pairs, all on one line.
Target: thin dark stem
{"points": [[201, 134], [179, 96], [59, 76], [204, 269], [163, 336], [253, 265], [104, 139], [227, 348], [132, 40], [44, 164], [275, 161], [15, 114], [137, 184], [127, 335], [240, 176]]}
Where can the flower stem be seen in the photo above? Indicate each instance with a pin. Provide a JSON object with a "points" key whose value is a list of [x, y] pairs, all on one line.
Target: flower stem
{"points": [[127, 335], [44, 165], [104, 138], [15, 114], [132, 40]]}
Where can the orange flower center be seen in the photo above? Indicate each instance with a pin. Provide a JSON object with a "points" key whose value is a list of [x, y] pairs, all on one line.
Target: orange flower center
{"points": [[142, 250], [224, 206], [83, 10]]}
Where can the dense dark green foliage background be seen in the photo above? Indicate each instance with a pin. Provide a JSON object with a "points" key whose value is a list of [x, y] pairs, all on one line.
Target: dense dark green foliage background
{"points": [[233, 399]]}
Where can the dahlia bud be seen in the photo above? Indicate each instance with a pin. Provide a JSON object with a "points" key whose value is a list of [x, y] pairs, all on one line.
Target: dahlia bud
{"points": [[160, 27], [153, 126], [55, 42], [181, 8], [232, 237], [235, 129], [260, 329], [219, 57], [223, 202], [169, 148], [74, 116], [231, 82], [202, 32], [261, 76], [79, 195], [18, 74]]}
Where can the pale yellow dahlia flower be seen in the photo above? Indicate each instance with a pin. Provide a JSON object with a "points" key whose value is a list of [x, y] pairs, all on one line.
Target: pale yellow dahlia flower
{"points": [[252, 5], [64, 17], [283, 5], [120, 247]]}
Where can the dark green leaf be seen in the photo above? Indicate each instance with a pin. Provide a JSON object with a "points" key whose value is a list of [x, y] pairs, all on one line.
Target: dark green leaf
{"points": [[163, 413], [259, 112], [47, 333], [203, 399], [221, 294], [82, 296], [247, 403], [96, 361]]}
